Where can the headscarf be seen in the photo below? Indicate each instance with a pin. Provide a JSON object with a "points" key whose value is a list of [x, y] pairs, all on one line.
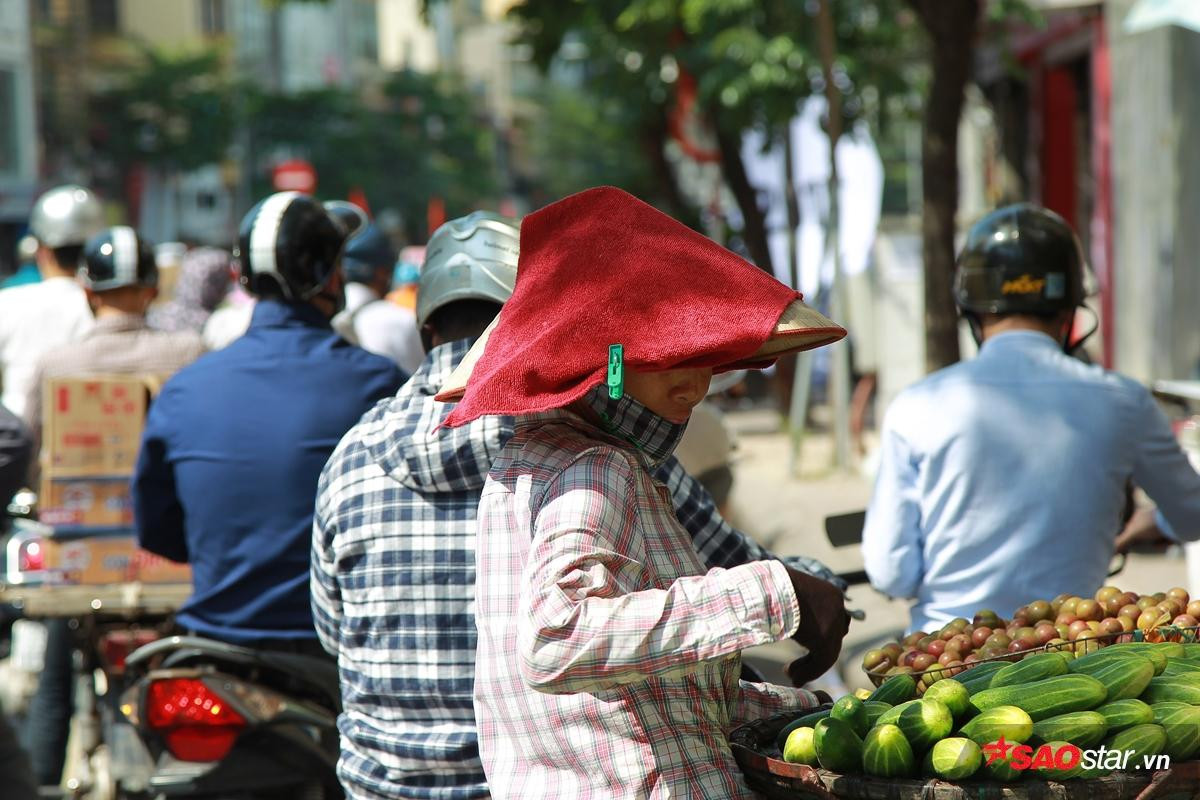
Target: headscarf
{"points": [[204, 280], [601, 268]]}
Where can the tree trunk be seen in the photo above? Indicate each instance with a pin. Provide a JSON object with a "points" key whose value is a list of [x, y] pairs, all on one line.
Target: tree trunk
{"points": [[654, 140], [952, 30], [754, 231]]}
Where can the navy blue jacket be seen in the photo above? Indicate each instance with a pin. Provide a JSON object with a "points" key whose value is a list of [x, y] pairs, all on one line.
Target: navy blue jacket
{"points": [[227, 475]]}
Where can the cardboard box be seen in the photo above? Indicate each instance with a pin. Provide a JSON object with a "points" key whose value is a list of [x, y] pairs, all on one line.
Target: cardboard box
{"points": [[108, 559], [92, 427], [67, 503]]}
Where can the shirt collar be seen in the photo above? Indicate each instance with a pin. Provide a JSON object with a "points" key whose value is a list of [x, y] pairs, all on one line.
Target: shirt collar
{"points": [[117, 323], [358, 295], [270, 312], [652, 435], [440, 362], [1019, 339]]}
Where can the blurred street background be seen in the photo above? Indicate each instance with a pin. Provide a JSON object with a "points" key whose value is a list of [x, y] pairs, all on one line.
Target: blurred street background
{"points": [[842, 146]]}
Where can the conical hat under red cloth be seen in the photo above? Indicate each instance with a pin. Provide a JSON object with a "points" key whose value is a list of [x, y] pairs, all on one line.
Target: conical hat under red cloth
{"points": [[600, 268]]}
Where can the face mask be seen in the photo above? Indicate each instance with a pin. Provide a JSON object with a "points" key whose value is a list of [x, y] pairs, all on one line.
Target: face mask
{"points": [[628, 419]]}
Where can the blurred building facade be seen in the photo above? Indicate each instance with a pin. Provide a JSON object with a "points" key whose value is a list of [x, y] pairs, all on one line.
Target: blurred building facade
{"points": [[18, 131], [1096, 123]]}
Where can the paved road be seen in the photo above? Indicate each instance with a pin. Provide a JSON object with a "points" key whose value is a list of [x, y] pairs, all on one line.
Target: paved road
{"points": [[787, 514]]}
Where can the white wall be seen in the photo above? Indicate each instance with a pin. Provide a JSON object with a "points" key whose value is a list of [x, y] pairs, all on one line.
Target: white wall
{"points": [[405, 41]]}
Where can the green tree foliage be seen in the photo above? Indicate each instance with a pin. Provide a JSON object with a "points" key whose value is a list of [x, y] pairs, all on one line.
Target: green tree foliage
{"points": [[415, 138], [164, 110], [581, 141], [420, 139], [752, 62]]}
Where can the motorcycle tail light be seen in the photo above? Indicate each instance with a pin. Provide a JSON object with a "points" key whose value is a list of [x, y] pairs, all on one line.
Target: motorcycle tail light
{"points": [[32, 556], [115, 646], [196, 722]]}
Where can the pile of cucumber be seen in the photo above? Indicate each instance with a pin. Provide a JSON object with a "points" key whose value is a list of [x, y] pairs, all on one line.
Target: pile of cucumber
{"points": [[1135, 697]]}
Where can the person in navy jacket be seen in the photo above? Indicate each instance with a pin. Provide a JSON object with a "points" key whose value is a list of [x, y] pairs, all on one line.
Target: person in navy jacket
{"points": [[234, 444]]}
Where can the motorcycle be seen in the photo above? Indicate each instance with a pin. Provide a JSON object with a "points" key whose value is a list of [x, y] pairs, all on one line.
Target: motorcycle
{"points": [[222, 720]]}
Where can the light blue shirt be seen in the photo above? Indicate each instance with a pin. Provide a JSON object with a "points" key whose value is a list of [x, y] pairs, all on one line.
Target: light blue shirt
{"points": [[1002, 480]]}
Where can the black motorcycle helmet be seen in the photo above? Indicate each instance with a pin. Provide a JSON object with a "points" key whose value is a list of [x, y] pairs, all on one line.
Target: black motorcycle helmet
{"points": [[1019, 259], [288, 246], [115, 258], [367, 252], [346, 214]]}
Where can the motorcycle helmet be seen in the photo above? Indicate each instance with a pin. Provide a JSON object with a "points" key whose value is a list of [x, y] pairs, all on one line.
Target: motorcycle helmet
{"points": [[367, 252], [1020, 259], [469, 258], [346, 214], [65, 216], [116, 258], [289, 245]]}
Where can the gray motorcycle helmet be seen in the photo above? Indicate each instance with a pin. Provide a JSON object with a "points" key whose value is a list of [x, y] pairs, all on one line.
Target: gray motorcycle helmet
{"points": [[469, 258], [66, 215]]}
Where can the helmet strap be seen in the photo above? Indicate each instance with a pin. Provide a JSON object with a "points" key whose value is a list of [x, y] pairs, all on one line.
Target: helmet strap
{"points": [[1070, 347], [975, 325], [322, 290]]}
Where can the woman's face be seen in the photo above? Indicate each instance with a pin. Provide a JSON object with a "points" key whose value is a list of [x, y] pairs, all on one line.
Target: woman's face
{"points": [[671, 394]]}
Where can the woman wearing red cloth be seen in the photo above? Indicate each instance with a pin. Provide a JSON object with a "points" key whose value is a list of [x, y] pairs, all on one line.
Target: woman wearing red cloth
{"points": [[608, 657]]}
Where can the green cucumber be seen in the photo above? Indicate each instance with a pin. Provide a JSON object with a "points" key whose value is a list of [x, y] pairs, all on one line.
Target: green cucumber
{"points": [[1157, 657], [1053, 773], [838, 747], [1124, 714], [1046, 698], [1142, 740], [875, 710], [800, 747], [954, 759], [1157, 652], [805, 721], [1002, 771], [1183, 688], [951, 693], [976, 679], [1168, 649], [887, 754], [1124, 677], [922, 722], [1010, 722], [1081, 728], [1034, 667], [1182, 666], [1182, 725], [895, 690], [850, 709]]}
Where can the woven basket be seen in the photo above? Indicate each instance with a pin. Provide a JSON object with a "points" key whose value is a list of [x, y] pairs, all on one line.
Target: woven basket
{"points": [[754, 749]]}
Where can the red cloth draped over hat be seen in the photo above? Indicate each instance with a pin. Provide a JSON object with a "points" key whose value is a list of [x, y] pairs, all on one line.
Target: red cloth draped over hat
{"points": [[599, 268]]}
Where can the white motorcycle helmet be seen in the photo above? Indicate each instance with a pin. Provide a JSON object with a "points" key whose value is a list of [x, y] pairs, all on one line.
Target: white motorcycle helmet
{"points": [[66, 215]]}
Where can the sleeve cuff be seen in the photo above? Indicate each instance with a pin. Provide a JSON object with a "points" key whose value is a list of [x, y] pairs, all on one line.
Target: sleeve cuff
{"points": [[1164, 526], [781, 607]]}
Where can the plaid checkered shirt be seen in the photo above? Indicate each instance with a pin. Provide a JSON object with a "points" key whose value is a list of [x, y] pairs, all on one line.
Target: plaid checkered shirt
{"points": [[393, 575], [609, 653]]}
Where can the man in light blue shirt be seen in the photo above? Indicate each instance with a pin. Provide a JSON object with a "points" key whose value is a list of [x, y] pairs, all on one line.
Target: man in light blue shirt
{"points": [[1003, 478]]}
